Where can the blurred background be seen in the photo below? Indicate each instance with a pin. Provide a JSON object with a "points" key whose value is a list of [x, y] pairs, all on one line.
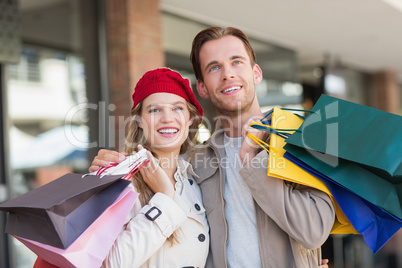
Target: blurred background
{"points": [[68, 69]]}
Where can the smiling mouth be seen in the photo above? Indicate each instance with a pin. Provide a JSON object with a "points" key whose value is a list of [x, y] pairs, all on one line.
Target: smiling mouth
{"points": [[168, 131], [231, 89]]}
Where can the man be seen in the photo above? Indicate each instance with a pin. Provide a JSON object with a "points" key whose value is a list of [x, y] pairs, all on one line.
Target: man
{"points": [[255, 220]]}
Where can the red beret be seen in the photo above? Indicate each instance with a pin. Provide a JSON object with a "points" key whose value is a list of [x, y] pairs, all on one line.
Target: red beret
{"points": [[164, 80]]}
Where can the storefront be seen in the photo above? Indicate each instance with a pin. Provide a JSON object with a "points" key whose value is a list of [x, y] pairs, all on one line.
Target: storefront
{"points": [[65, 88]]}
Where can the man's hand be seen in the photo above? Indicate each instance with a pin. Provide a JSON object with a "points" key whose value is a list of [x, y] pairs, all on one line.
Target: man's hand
{"points": [[104, 158], [324, 263], [249, 148]]}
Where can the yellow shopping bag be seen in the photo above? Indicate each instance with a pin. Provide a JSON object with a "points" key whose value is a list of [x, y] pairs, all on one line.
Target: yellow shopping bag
{"points": [[280, 167]]}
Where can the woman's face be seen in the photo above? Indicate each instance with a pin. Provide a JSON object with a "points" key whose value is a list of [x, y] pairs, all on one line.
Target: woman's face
{"points": [[165, 120]]}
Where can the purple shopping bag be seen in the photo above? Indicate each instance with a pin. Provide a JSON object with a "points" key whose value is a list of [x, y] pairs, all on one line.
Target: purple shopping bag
{"points": [[60, 211], [92, 246]]}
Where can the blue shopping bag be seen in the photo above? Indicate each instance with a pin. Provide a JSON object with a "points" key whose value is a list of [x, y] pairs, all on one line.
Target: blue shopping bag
{"points": [[375, 224]]}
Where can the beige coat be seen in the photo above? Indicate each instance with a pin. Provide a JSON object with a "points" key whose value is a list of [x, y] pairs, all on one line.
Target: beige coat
{"points": [[293, 221], [142, 243]]}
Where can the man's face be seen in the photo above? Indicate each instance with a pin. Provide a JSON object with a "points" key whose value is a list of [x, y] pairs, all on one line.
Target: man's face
{"points": [[229, 78]]}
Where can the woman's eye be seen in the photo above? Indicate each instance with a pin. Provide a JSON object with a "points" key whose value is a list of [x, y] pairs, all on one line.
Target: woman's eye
{"points": [[178, 108], [154, 110]]}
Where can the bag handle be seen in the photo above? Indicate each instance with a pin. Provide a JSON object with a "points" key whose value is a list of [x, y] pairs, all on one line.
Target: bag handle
{"points": [[262, 143], [128, 176], [281, 132], [103, 169], [265, 125], [134, 170], [289, 109]]}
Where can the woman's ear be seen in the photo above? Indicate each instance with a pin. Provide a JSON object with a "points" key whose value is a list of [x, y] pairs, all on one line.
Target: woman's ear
{"points": [[139, 122], [191, 121]]}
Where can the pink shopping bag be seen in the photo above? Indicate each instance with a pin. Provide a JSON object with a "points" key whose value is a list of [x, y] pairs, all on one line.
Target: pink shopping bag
{"points": [[92, 246]]}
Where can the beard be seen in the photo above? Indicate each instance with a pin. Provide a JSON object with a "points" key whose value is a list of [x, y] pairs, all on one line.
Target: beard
{"points": [[235, 108]]}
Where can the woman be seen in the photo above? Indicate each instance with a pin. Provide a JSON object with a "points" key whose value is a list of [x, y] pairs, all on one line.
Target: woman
{"points": [[167, 226]]}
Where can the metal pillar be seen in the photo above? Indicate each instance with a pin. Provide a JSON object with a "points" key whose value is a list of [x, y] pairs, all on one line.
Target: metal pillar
{"points": [[5, 248]]}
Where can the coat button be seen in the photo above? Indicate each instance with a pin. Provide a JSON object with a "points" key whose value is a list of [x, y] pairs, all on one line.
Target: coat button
{"points": [[201, 238], [190, 181], [197, 207]]}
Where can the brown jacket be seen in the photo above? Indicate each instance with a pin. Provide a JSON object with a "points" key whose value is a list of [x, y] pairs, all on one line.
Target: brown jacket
{"points": [[293, 220]]}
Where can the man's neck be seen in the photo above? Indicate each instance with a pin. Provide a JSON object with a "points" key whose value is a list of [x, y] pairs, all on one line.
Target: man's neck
{"points": [[233, 125]]}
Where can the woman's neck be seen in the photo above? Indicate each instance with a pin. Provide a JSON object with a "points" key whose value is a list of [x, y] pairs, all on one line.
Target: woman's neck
{"points": [[168, 162]]}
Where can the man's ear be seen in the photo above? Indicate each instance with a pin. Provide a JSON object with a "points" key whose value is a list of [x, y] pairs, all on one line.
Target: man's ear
{"points": [[257, 74], [202, 90]]}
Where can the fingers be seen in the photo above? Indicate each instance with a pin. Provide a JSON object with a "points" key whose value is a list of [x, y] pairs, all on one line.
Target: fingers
{"points": [[256, 133], [324, 263], [105, 157], [250, 148], [152, 161], [156, 178], [110, 156], [151, 166], [93, 168]]}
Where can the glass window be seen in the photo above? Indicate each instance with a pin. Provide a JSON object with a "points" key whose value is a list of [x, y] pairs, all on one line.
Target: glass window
{"points": [[48, 134]]}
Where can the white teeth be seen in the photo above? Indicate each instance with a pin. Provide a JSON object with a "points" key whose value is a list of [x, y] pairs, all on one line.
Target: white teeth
{"points": [[230, 89], [168, 131]]}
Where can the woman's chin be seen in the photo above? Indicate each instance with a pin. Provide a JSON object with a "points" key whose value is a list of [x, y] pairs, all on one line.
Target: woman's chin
{"points": [[166, 148]]}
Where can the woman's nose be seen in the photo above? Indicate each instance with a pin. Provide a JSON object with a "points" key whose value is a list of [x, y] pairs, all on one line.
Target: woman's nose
{"points": [[167, 116]]}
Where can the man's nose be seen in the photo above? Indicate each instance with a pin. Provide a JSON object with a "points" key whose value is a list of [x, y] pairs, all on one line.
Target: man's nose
{"points": [[227, 72]]}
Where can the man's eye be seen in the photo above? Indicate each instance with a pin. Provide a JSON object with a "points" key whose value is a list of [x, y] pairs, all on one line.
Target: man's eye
{"points": [[214, 68], [237, 62]]}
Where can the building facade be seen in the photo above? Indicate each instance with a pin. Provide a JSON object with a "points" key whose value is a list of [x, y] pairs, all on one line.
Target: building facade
{"points": [[69, 71]]}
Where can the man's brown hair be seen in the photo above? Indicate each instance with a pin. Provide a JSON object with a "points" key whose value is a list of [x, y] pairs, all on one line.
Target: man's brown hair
{"points": [[214, 33]]}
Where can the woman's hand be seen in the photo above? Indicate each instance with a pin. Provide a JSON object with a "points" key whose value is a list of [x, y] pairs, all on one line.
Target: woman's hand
{"points": [[156, 178]]}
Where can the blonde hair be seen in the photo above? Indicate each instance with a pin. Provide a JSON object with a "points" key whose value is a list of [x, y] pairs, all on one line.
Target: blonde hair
{"points": [[135, 137]]}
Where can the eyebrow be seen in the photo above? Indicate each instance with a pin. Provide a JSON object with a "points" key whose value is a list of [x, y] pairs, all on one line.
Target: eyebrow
{"points": [[159, 104], [231, 58]]}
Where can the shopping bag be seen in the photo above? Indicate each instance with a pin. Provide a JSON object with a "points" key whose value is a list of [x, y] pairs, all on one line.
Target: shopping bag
{"points": [[41, 263], [364, 135], [375, 224], [58, 212], [132, 164], [282, 168], [359, 180], [92, 246]]}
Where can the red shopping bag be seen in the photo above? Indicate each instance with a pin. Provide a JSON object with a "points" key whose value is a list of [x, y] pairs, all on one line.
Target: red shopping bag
{"points": [[40, 263]]}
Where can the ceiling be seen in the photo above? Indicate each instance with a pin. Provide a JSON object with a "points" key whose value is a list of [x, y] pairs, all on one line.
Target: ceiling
{"points": [[363, 34]]}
